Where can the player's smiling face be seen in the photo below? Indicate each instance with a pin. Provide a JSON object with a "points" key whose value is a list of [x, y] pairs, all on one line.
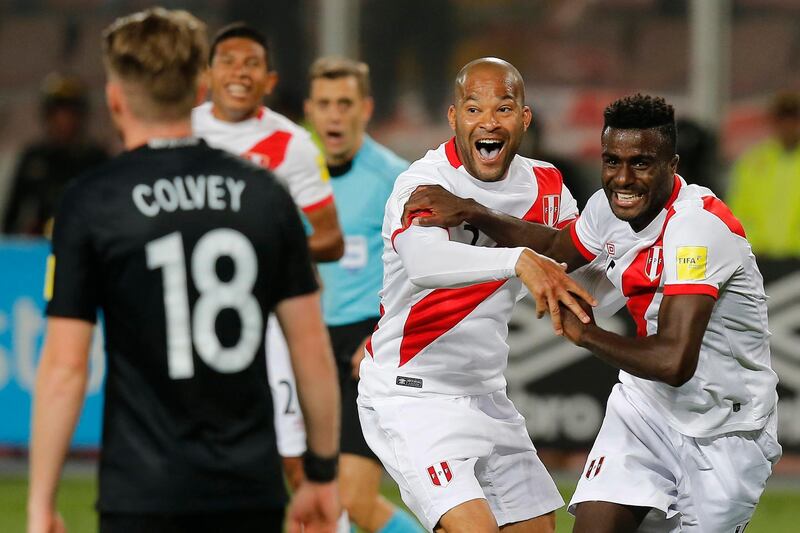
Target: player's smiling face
{"points": [[638, 173], [339, 114], [489, 119], [240, 78]]}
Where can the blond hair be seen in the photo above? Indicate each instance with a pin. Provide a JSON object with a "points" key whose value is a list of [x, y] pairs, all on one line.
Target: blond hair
{"points": [[158, 56], [333, 67]]}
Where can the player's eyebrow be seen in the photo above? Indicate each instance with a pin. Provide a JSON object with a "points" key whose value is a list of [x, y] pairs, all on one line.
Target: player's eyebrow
{"points": [[474, 97]]}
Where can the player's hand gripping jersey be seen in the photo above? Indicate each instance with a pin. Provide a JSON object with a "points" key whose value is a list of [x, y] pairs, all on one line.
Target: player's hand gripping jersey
{"points": [[448, 294], [275, 143], [694, 246]]}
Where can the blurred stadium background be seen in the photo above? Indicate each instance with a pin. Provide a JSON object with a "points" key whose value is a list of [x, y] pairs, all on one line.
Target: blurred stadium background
{"points": [[718, 61]]}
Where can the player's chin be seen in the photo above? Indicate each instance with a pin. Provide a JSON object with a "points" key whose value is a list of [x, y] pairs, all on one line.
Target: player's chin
{"points": [[491, 171]]}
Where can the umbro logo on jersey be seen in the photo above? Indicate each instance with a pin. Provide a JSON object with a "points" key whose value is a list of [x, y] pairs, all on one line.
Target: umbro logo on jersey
{"points": [[440, 474], [594, 467], [611, 249], [654, 263], [550, 203], [404, 381]]}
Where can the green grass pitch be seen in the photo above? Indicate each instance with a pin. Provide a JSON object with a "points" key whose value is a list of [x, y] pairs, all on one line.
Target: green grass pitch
{"points": [[777, 512]]}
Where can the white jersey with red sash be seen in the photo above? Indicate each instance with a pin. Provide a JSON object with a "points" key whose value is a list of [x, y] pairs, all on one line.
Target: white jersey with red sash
{"points": [[276, 143], [448, 294], [694, 246]]}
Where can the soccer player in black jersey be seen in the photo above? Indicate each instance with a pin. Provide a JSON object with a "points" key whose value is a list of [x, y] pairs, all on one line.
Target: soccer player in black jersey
{"points": [[185, 249]]}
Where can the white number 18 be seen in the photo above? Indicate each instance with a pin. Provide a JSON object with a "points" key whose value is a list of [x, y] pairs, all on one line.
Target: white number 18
{"points": [[167, 254]]}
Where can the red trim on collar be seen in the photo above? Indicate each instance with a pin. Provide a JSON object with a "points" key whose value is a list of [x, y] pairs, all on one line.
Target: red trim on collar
{"points": [[676, 188], [451, 153], [260, 112]]}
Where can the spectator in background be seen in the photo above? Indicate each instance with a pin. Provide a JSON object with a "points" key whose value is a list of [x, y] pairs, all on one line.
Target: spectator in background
{"points": [[766, 181], [47, 165]]}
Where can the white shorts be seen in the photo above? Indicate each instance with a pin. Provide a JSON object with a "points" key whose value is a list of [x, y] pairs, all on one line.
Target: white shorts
{"points": [[445, 451], [290, 428], [691, 484]]}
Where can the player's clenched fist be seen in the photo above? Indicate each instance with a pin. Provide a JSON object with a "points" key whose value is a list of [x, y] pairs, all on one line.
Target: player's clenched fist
{"points": [[549, 285]]}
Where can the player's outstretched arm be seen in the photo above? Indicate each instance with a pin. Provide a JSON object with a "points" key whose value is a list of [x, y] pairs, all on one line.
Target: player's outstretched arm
{"points": [[444, 209], [433, 261], [315, 506], [58, 397], [669, 356], [326, 243]]}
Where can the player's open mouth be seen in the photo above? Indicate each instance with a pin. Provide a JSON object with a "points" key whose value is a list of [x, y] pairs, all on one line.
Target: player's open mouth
{"points": [[489, 149], [237, 90], [627, 199]]}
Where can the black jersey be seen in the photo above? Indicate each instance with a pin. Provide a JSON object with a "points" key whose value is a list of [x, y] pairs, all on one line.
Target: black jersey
{"points": [[185, 249]]}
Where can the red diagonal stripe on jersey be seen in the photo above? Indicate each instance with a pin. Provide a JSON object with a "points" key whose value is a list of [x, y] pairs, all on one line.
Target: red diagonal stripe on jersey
{"points": [[273, 148], [717, 207], [439, 312], [640, 289]]}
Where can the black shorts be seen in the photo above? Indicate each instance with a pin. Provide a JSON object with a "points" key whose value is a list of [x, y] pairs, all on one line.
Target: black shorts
{"points": [[240, 520], [345, 340]]}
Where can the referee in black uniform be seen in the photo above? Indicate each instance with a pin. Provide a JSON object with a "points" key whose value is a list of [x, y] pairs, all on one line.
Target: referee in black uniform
{"points": [[186, 250]]}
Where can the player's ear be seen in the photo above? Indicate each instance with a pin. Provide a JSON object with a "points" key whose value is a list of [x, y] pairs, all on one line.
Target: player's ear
{"points": [[527, 116], [272, 81], [673, 164], [451, 116], [369, 107], [114, 98]]}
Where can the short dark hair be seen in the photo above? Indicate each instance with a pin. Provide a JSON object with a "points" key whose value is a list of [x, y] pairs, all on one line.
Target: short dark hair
{"points": [[244, 31], [642, 112]]}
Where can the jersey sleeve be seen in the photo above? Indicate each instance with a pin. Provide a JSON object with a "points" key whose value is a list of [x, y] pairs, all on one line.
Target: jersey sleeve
{"points": [[72, 272], [586, 234], [569, 208], [431, 260], [296, 275], [306, 173], [404, 186], [700, 254]]}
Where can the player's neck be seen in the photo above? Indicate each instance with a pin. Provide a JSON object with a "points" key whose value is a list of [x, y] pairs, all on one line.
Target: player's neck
{"points": [[229, 116], [339, 160], [139, 134]]}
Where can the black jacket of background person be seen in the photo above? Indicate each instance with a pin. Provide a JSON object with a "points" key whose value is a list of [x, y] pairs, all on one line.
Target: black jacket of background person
{"points": [[43, 172], [185, 271]]}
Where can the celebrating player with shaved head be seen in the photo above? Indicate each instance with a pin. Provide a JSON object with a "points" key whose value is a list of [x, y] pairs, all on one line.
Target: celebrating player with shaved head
{"points": [[432, 397]]}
